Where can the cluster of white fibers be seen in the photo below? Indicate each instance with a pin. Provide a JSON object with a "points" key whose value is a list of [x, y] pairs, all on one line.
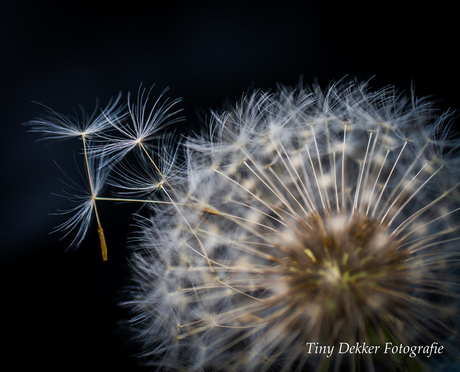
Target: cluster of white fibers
{"points": [[303, 216]]}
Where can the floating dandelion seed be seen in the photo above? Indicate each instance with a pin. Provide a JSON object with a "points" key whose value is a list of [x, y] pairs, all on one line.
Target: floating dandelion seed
{"points": [[82, 214], [87, 128], [301, 217], [102, 149]]}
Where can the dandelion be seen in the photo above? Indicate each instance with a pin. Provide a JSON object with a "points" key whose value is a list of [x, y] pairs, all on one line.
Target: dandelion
{"points": [[324, 217], [301, 218]]}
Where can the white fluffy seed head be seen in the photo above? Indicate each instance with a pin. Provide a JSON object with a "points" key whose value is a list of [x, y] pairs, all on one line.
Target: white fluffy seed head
{"points": [[314, 217], [301, 216]]}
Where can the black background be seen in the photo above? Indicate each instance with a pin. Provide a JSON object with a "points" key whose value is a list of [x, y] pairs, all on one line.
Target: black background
{"points": [[60, 309]]}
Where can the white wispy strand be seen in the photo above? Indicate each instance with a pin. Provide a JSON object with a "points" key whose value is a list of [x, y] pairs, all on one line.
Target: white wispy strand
{"points": [[56, 125], [84, 197], [142, 178], [141, 124]]}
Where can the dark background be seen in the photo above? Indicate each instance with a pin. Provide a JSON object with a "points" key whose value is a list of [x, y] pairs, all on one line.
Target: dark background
{"points": [[60, 309]]}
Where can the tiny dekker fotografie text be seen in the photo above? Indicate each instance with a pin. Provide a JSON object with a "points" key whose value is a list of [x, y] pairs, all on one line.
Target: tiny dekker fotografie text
{"points": [[363, 348]]}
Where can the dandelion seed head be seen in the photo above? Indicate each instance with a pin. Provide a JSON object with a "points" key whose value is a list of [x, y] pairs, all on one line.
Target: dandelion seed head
{"points": [[301, 215], [311, 216]]}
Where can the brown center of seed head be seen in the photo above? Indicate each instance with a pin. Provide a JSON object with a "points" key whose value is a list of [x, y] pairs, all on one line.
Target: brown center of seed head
{"points": [[349, 268]]}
